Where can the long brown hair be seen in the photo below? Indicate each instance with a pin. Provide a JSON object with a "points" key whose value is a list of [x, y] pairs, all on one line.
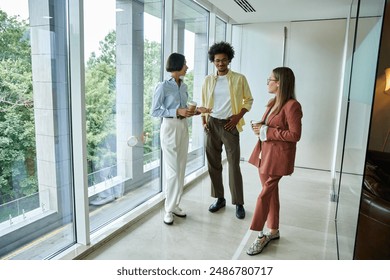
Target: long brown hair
{"points": [[286, 79]]}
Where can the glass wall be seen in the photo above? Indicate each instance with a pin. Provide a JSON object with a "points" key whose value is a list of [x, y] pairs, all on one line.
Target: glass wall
{"points": [[365, 26], [373, 227], [36, 198]]}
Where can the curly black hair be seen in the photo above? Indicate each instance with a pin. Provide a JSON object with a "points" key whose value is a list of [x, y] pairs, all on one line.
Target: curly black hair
{"points": [[219, 48]]}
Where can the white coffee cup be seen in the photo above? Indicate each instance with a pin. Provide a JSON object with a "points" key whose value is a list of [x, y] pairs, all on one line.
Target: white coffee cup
{"points": [[191, 106]]}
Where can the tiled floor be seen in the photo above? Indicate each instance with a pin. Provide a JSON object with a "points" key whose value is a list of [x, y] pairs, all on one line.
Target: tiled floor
{"points": [[307, 225]]}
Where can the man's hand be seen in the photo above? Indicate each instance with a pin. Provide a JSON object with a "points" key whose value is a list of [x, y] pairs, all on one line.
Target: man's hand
{"points": [[234, 119], [206, 128]]}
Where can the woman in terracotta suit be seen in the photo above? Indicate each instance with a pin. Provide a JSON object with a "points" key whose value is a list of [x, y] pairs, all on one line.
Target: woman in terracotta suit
{"points": [[279, 132]]}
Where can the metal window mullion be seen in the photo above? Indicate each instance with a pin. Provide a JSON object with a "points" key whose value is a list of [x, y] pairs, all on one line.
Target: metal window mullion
{"points": [[78, 120]]}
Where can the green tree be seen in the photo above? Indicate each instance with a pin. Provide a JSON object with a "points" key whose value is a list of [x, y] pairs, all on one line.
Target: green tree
{"points": [[100, 106], [152, 70], [100, 100], [14, 38], [189, 80], [17, 136], [100, 96]]}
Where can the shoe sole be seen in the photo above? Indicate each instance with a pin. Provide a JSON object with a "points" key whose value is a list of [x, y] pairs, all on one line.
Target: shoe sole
{"points": [[239, 217], [168, 223], [179, 215], [275, 238]]}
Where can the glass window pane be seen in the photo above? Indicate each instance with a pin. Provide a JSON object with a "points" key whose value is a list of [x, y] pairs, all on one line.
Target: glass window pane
{"points": [[121, 53], [220, 30], [36, 205]]}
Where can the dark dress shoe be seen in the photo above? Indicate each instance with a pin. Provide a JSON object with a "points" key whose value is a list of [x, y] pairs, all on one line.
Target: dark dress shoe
{"points": [[240, 212], [221, 202]]}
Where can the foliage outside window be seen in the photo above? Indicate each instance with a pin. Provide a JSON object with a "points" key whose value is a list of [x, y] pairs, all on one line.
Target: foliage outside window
{"points": [[17, 135]]}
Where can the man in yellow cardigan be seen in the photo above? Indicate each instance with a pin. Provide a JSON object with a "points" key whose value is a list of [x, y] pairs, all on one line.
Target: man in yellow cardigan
{"points": [[229, 96]]}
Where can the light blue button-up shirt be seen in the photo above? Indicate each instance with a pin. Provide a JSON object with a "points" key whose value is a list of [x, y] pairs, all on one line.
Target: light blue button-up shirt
{"points": [[168, 97]]}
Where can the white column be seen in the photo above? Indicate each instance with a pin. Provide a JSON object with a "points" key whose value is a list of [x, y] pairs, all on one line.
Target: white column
{"points": [[129, 86], [51, 100]]}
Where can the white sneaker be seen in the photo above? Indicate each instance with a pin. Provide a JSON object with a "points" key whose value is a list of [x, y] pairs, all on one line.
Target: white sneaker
{"points": [[168, 218], [179, 212]]}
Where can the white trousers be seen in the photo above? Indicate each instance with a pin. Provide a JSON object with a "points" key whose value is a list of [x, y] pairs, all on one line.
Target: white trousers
{"points": [[174, 144]]}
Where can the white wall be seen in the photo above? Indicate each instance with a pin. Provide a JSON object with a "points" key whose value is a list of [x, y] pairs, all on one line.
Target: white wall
{"points": [[259, 49], [315, 53]]}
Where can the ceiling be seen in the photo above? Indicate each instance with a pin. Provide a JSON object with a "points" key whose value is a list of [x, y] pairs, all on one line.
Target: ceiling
{"points": [[282, 10]]}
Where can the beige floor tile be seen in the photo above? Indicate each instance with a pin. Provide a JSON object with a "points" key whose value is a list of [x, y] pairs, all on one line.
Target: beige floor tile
{"points": [[307, 225]]}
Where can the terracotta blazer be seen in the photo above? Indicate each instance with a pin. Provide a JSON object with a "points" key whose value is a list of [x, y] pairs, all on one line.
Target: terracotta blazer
{"points": [[284, 131]]}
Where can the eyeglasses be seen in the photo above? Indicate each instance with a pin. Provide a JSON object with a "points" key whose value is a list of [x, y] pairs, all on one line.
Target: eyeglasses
{"points": [[225, 60], [273, 80]]}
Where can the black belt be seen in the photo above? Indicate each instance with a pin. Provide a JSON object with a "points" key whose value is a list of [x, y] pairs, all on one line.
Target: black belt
{"points": [[178, 117], [220, 120]]}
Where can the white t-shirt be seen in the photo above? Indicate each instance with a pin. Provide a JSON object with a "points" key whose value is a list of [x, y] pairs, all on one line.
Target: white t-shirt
{"points": [[222, 108]]}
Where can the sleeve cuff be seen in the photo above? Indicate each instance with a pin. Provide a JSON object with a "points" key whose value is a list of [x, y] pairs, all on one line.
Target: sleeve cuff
{"points": [[263, 133]]}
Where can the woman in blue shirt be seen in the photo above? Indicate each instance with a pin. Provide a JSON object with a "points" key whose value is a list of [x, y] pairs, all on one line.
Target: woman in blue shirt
{"points": [[170, 104]]}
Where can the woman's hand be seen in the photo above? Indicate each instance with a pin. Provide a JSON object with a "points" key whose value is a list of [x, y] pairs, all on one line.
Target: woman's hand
{"points": [[203, 110], [256, 126], [184, 112]]}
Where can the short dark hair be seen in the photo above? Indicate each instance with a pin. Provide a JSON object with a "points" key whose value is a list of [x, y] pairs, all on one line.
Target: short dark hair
{"points": [[175, 62], [221, 48]]}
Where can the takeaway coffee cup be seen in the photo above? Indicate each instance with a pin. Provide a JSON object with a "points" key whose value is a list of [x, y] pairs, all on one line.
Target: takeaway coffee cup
{"points": [[191, 106], [256, 122]]}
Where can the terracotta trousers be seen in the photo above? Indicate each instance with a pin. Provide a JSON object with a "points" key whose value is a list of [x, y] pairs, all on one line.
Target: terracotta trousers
{"points": [[267, 205]]}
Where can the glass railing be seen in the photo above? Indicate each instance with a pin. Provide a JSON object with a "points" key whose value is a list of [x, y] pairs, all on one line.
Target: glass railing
{"points": [[23, 209], [102, 175]]}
